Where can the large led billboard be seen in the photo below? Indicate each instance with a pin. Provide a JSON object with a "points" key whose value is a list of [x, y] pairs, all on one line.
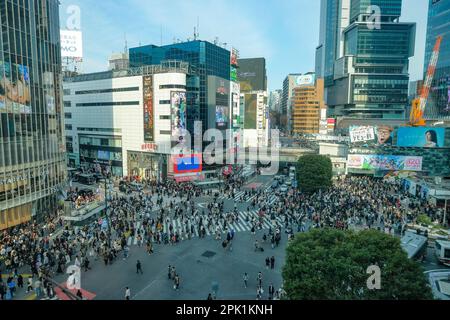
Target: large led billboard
{"points": [[149, 122], [187, 163], [384, 162], [421, 137], [371, 134], [305, 80], [178, 112], [222, 117], [252, 74], [250, 111], [15, 93]]}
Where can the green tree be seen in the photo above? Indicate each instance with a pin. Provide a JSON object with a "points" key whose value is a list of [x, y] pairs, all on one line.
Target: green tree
{"points": [[314, 172], [330, 264]]}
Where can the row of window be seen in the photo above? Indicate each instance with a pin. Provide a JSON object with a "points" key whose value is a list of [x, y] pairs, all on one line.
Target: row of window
{"points": [[108, 104], [111, 90]]}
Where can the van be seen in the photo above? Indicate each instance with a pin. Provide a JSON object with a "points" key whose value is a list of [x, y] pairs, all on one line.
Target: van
{"points": [[442, 250]]}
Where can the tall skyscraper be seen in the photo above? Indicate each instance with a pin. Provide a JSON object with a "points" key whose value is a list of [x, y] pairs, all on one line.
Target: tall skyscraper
{"points": [[438, 106], [32, 157], [366, 62], [212, 67]]}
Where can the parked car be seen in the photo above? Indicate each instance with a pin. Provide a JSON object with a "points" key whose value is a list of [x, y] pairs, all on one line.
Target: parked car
{"points": [[284, 188], [274, 185]]}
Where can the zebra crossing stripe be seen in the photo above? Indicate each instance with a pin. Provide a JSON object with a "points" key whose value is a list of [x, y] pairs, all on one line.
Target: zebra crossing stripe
{"points": [[236, 227]]}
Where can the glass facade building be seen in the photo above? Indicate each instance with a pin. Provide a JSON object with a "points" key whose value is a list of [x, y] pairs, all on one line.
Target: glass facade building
{"points": [[391, 9], [207, 59], [31, 124], [438, 105], [366, 74]]}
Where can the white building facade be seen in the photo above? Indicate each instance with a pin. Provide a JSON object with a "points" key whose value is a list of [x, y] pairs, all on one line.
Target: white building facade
{"points": [[123, 123]]}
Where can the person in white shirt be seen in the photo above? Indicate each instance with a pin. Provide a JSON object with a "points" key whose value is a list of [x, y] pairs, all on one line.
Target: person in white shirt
{"points": [[127, 293]]}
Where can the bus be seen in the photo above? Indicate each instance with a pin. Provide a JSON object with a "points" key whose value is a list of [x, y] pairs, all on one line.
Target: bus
{"points": [[442, 250]]}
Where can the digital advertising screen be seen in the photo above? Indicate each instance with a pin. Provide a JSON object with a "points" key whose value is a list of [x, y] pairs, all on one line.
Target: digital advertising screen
{"points": [[187, 163], [250, 111], [424, 137], [15, 93], [178, 112], [149, 123], [222, 116], [384, 162]]}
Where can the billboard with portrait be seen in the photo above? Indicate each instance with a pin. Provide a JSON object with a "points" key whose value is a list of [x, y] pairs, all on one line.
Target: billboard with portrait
{"points": [[250, 111], [421, 137], [380, 135], [384, 162], [178, 112], [15, 93]]}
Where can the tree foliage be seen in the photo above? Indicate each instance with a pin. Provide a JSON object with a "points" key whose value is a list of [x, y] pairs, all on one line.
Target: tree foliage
{"points": [[314, 172], [330, 264]]}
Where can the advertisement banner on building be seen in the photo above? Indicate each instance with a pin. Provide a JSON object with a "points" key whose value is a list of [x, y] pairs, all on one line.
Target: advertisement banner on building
{"points": [[187, 163], [305, 80], [421, 137], [234, 57], [233, 74], [15, 92], [361, 133], [71, 44], [222, 117], [384, 162], [250, 111], [149, 122], [178, 113]]}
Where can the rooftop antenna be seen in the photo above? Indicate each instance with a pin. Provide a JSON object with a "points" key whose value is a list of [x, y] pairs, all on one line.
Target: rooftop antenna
{"points": [[126, 44], [198, 28], [161, 34]]}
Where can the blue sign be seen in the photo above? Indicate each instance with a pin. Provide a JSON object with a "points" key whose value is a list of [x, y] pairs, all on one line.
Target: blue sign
{"points": [[421, 137]]}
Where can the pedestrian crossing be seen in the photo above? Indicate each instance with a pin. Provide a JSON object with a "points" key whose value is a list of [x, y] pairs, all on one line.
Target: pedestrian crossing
{"points": [[244, 223], [241, 197]]}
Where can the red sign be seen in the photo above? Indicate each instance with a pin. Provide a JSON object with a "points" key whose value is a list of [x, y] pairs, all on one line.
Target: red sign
{"points": [[331, 121], [149, 147], [187, 163]]}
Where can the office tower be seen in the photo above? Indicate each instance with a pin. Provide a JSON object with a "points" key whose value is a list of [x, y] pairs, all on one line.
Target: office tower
{"points": [[306, 105], [366, 62], [31, 127], [438, 106], [211, 72]]}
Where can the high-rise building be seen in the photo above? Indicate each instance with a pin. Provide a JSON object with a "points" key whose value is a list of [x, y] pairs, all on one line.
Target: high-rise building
{"points": [[438, 105], [275, 100], [290, 82], [252, 74], [366, 62], [32, 149], [306, 105], [208, 60]]}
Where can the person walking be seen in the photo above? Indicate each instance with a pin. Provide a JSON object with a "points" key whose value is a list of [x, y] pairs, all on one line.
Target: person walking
{"points": [[245, 278], [127, 293], [139, 267], [209, 297], [79, 294], [259, 279], [169, 272], [177, 282], [30, 285], [271, 291], [272, 263], [267, 263]]}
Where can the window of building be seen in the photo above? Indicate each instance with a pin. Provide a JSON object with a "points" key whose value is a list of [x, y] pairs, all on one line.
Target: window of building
{"points": [[68, 127]]}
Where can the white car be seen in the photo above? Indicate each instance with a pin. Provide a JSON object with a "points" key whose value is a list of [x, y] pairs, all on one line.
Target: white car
{"points": [[284, 188]]}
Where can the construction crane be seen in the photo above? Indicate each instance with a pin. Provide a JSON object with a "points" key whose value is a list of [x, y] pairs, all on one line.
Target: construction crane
{"points": [[419, 104]]}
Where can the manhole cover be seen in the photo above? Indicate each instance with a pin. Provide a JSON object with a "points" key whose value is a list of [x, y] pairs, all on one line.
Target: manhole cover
{"points": [[208, 254]]}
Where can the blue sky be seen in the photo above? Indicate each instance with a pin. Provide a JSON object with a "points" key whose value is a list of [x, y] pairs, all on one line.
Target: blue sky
{"points": [[285, 32]]}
